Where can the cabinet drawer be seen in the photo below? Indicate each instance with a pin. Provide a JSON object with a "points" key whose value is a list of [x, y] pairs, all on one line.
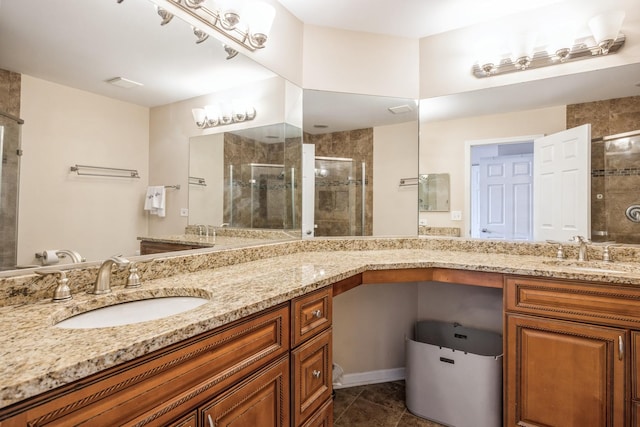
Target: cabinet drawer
{"points": [[261, 400], [154, 389], [190, 420], [322, 418], [590, 302], [312, 376], [311, 314]]}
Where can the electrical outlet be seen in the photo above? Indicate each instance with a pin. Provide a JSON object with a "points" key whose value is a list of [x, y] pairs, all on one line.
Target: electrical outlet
{"points": [[184, 212], [456, 215]]}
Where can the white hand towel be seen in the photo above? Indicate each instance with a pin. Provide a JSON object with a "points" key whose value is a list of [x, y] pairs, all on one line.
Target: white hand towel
{"points": [[155, 200]]}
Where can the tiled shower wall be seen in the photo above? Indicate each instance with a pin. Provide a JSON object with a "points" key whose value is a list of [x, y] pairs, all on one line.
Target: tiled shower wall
{"points": [[272, 207], [9, 103], [615, 176], [331, 219]]}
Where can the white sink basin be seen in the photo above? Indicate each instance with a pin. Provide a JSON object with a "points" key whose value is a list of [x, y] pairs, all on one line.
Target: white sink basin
{"points": [[131, 312]]}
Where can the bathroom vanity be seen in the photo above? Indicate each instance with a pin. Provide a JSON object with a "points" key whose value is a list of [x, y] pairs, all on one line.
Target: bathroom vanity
{"points": [[260, 353]]}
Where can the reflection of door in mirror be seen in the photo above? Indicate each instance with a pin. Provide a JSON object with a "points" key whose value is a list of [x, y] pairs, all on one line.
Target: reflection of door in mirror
{"points": [[531, 190], [501, 191]]}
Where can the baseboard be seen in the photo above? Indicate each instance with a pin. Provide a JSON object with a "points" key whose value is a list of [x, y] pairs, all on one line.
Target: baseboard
{"points": [[371, 377]]}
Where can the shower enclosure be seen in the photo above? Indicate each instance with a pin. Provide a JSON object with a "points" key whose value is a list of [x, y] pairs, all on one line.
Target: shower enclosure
{"points": [[340, 196], [615, 188], [9, 181], [259, 195]]}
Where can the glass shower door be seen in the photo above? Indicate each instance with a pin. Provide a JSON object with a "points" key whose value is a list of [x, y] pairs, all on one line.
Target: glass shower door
{"points": [[9, 184], [339, 197]]}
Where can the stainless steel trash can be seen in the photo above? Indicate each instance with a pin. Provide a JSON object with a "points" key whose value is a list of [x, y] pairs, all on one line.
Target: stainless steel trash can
{"points": [[454, 375]]}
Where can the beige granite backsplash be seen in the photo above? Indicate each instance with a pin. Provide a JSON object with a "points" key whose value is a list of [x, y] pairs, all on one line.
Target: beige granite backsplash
{"points": [[28, 287]]}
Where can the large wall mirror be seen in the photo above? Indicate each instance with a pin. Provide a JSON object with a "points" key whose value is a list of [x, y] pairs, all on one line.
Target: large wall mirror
{"points": [[58, 57], [501, 121], [246, 179], [364, 147]]}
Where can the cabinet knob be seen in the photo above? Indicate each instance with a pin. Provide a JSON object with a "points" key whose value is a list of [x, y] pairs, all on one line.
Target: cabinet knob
{"points": [[316, 373], [317, 313]]}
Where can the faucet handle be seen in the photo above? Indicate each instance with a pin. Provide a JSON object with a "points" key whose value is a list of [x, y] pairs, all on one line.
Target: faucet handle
{"points": [[606, 253], [62, 292], [133, 281], [581, 239], [560, 251]]}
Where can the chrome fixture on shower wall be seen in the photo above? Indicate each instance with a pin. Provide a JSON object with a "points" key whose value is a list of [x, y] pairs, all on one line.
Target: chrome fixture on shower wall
{"points": [[527, 51]]}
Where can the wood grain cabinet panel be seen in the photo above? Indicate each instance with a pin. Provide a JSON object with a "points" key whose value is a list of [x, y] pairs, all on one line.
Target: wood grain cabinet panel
{"points": [[261, 401], [323, 417], [147, 247], [589, 302], [190, 420], [311, 314], [312, 376], [562, 373]]}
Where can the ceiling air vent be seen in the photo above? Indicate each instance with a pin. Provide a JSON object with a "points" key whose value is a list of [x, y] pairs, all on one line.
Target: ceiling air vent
{"points": [[400, 109]]}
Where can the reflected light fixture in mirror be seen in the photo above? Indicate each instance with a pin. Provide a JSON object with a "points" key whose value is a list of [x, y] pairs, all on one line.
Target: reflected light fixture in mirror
{"points": [[215, 115], [526, 54], [249, 27]]}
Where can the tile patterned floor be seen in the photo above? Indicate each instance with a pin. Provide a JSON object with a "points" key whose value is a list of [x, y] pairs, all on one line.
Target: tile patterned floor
{"points": [[375, 405]]}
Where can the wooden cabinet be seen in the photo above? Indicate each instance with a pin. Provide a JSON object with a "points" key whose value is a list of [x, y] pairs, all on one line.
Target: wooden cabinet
{"points": [[261, 400], [323, 417], [149, 247], [568, 353], [311, 358], [562, 373]]}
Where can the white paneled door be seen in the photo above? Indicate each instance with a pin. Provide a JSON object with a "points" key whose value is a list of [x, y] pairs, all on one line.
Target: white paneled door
{"points": [[562, 194], [505, 197]]}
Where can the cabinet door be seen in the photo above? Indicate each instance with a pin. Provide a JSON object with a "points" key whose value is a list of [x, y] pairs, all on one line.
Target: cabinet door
{"points": [[312, 376], [562, 373], [261, 400]]}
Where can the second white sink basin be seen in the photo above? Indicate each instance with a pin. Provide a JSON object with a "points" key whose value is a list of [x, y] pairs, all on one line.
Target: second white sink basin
{"points": [[128, 313]]}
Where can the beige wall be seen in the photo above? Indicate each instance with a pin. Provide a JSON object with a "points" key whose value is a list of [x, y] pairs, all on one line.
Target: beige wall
{"points": [[353, 62], [395, 154], [206, 157], [442, 148], [369, 326], [95, 216]]}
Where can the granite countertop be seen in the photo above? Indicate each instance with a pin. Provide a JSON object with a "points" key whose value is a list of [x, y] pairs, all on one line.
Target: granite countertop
{"points": [[37, 356]]}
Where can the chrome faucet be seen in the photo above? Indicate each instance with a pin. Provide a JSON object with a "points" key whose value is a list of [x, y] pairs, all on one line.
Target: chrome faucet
{"points": [[582, 251], [75, 256], [102, 284]]}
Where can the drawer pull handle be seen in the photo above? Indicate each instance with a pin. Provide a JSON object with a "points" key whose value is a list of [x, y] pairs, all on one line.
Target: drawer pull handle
{"points": [[316, 374], [620, 348], [211, 423], [317, 313]]}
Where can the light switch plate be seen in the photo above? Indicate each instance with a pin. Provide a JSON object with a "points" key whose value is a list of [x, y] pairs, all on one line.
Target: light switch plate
{"points": [[456, 215]]}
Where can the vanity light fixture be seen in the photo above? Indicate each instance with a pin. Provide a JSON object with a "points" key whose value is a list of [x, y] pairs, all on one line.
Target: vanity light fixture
{"points": [[605, 39], [249, 27], [214, 115]]}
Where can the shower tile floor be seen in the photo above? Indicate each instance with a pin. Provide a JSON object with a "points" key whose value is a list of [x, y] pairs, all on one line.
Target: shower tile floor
{"points": [[375, 405]]}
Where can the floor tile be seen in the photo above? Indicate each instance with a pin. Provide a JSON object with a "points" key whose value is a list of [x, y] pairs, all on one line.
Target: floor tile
{"points": [[375, 405]]}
